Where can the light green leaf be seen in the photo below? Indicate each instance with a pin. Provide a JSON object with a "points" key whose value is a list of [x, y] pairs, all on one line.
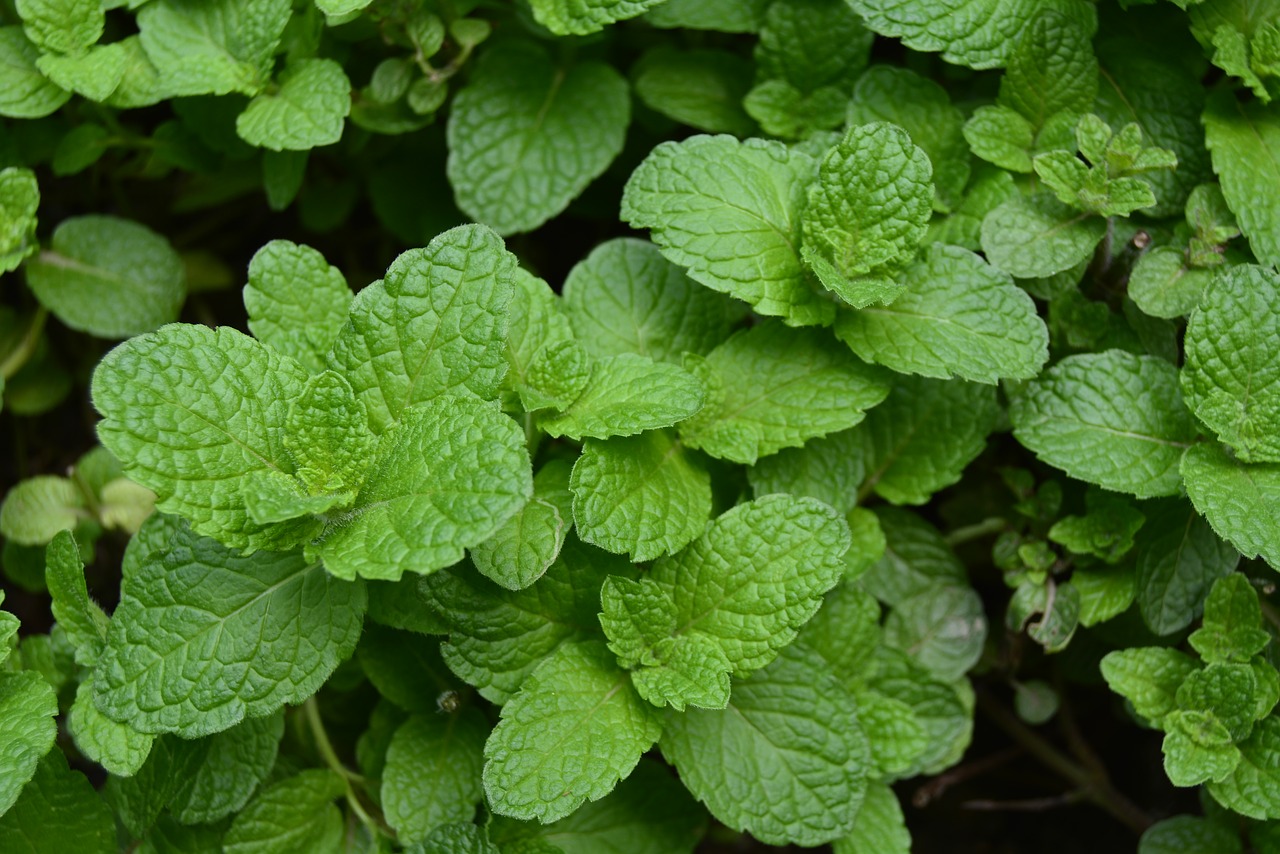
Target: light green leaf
{"points": [[196, 619], [626, 298], [548, 366], [976, 33], [1036, 236], [729, 212], [526, 136], [811, 44], [1253, 788], [94, 74], [830, 469], [1227, 691], [1244, 140], [37, 508], [1105, 592], [1186, 834], [1239, 501], [702, 88], [1179, 557], [27, 730], [294, 814], [582, 17], [944, 709], [25, 93], [989, 189], [916, 559], [82, 619], [771, 387], [327, 435], [213, 47], [437, 324], [58, 811], [575, 729], [784, 111], [307, 111], [297, 303], [1001, 135], [642, 495], [432, 775], [1149, 678], [1197, 749], [1162, 283], [787, 761], [19, 199], [528, 543], [62, 26], [896, 738], [860, 219], [1113, 419], [846, 632], [1051, 69], [924, 110], [880, 827], [140, 84], [627, 394], [117, 747], [942, 629], [211, 412], [959, 317], [690, 669], [1106, 530], [444, 479], [108, 276], [1231, 378], [497, 636], [1231, 630]]}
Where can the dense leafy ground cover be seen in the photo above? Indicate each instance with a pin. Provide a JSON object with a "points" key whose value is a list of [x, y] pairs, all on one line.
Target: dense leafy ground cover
{"points": [[639, 425]]}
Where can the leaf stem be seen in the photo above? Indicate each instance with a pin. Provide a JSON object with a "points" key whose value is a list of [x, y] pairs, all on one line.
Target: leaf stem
{"points": [[325, 747], [27, 346], [978, 530]]}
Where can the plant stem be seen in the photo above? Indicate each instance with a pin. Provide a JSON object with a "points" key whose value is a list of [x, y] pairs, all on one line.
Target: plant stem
{"points": [[978, 530], [330, 757], [27, 346]]}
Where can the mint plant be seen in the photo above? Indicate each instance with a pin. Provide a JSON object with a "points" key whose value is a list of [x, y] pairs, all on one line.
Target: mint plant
{"points": [[421, 444]]}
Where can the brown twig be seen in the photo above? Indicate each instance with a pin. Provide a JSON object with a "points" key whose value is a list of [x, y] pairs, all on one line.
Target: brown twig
{"points": [[936, 787], [1075, 796]]}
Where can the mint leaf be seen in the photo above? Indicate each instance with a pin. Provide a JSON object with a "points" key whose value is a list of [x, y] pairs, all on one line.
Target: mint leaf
{"points": [[297, 302], [1179, 557], [1227, 691], [497, 636], [117, 747], [548, 367], [1164, 285], [19, 198], [307, 111], [58, 811], [1149, 678], [212, 48], [811, 44], [1104, 592], [235, 763], [1110, 418], [860, 218], [846, 632], [967, 32], [943, 709], [771, 387], [108, 276], [729, 212], [627, 394], [294, 814], [62, 26], [1238, 500], [916, 559], [787, 761], [942, 629], [436, 324], [526, 137], [642, 495], [37, 508], [82, 619], [1036, 236], [959, 316], [528, 543], [25, 93], [1231, 630], [784, 111], [1244, 140], [1197, 749], [583, 17], [572, 732], [896, 738], [1185, 834], [728, 16], [702, 88], [924, 110], [1051, 69], [94, 74], [880, 827], [432, 775], [626, 298], [443, 479], [328, 436], [195, 619], [1106, 530], [830, 469], [1253, 788], [212, 412], [27, 730], [407, 669], [1231, 380], [690, 669]]}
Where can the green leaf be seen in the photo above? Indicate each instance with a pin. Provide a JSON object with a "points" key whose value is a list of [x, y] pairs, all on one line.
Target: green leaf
{"points": [[94, 74], [846, 632], [62, 26], [1239, 501], [1227, 691], [195, 619], [117, 747], [582, 17], [626, 298], [942, 629], [19, 198], [406, 668], [25, 93], [1164, 285], [527, 136], [896, 738], [1197, 749], [307, 111], [1231, 379], [1113, 419], [787, 761], [211, 412], [924, 110], [27, 730], [1106, 530], [830, 469], [37, 508], [1051, 69], [627, 394], [811, 44], [959, 317], [528, 543], [236, 762], [880, 827], [917, 559], [109, 277], [437, 324], [297, 303], [701, 88], [729, 213], [771, 387], [575, 729], [1253, 788], [691, 669], [976, 33], [294, 814], [784, 111], [215, 47], [944, 709], [1231, 630], [1149, 678], [1179, 557], [728, 16], [1035, 236], [643, 495], [58, 811], [82, 620], [548, 366], [432, 775], [497, 636], [1185, 834], [327, 435], [860, 217]]}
